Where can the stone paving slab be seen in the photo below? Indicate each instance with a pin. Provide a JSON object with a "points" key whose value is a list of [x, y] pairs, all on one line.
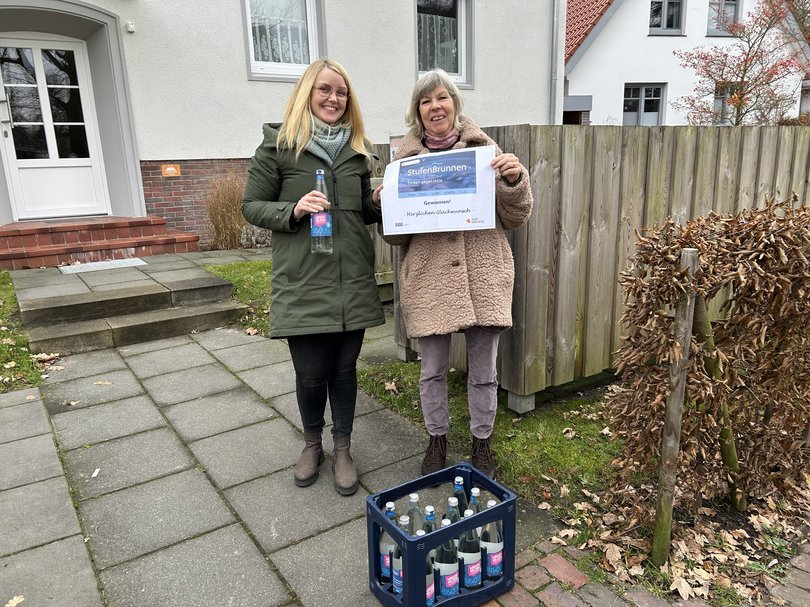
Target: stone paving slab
{"points": [[226, 337], [124, 462], [209, 415], [270, 380], [599, 595], [59, 573], [219, 568], [154, 345], [19, 397], [387, 438], [255, 354], [36, 514], [131, 284], [112, 276], [278, 513], [51, 290], [247, 453], [27, 461], [134, 521], [344, 582], [23, 421], [84, 365], [188, 384], [106, 421], [167, 360], [287, 405], [91, 390]]}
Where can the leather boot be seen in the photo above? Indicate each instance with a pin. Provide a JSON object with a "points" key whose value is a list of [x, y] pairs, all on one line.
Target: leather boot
{"points": [[305, 471], [346, 482], [482, 456], [435, 455]]}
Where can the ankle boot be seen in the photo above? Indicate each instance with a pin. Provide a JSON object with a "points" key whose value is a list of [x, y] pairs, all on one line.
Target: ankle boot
{"points": [[305, 471], [482, 456], [435, 455], [346, 482]]}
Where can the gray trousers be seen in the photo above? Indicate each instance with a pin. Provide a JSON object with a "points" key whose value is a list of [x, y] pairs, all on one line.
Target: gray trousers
{"points": [[482, 380]]}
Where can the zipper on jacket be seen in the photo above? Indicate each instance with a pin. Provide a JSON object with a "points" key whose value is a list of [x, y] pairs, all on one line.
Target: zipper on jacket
{"points": [[336, 245]]}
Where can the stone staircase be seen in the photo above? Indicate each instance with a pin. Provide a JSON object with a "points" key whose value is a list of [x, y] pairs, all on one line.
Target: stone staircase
{"points": [[97, 309], [35, 244]]}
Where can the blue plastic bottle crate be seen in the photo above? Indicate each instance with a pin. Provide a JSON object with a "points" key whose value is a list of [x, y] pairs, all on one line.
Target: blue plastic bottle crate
{"points": [[415, 549]]}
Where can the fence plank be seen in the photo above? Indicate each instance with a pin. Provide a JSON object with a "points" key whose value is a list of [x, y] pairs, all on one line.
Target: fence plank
{"points": [[799, 183], [728, 158], [784, 158], [749, 159], [769, 141], [631, 212], [603, 238], [568, 304], [683, 178], [659, 164]]}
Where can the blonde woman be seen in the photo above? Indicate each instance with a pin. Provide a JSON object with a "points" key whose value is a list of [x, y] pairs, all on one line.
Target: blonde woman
{"points": [[321, 304]]}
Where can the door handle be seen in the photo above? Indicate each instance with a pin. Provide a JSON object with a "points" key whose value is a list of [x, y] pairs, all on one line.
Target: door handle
{"points": [[9, 120]]}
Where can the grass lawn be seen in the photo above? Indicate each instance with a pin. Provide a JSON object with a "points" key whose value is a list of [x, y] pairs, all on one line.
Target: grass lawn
{"points": [[18, 370], [251, 281]]}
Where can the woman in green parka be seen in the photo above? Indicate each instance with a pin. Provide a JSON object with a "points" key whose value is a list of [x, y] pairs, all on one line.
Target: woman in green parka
{"points": [[321, 304]]}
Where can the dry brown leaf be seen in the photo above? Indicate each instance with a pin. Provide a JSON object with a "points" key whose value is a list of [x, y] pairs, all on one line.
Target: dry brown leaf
{"points": [[391, 386], [683, 587], [252, 331], [15, 601]]}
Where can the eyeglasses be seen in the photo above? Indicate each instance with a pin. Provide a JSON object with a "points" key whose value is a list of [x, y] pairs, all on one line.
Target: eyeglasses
{"points": [[326, 91]]}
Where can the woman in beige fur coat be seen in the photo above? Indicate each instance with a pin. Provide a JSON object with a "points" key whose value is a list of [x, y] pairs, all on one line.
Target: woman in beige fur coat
{"points": [[458, 281]]}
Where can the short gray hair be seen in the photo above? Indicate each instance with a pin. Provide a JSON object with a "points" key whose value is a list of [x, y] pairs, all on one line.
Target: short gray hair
{"points": [[428, 82]]}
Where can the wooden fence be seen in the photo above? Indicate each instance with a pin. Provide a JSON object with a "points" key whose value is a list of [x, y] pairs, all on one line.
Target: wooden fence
{"points": [[593, 187]]}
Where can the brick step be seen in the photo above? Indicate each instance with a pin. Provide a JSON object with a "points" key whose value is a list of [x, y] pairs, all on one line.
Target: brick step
{"points": [[127, 329], [33, 244], [106, 304]]}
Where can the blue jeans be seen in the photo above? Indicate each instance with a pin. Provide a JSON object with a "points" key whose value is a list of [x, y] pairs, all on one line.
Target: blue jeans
{"points": [[326, 365]]}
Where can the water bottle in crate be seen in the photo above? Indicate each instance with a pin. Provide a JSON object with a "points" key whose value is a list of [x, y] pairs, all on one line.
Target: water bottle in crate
{"points": [[415, 550]]}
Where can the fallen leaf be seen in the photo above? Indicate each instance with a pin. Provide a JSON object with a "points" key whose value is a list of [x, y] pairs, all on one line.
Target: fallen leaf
{"points": [[682, 586], [544, 506], [614, 555], [606, 431], [15, 601], [102, 382], [10, 365], [556, 540], [9, 342], [564, 491], [251, 331], [569, 432], [73, 403], [636, 571], [391, 386]]}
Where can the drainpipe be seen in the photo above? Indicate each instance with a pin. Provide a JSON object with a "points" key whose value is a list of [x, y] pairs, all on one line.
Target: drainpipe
{"points": [[555, 39]]}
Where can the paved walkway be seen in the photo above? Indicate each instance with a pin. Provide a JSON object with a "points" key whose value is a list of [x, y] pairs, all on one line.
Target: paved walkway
{"points": [[160, 474]]}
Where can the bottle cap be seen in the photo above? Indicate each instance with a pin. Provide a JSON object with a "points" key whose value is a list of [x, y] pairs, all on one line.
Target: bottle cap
{"points": [[404, 519], [452, 501], [459, 480], [320, 172], [475, 491], [446, 522], [429, 510], [420, 532], [414, 497], [388, 505], [468, 512], [491, 503]]}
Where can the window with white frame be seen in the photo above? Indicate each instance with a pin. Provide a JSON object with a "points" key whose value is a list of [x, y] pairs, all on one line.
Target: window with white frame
{"points": [[723, 109], [722, 13], [444, 37], [666, 16], [643, 104], [283, 37]]}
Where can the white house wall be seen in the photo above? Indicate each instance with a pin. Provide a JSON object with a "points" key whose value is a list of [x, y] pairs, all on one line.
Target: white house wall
{"points": [[192, 99], [624, 52]]}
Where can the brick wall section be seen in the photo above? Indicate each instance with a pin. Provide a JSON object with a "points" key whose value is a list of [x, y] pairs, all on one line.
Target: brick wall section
{"points": [[179, 200]]}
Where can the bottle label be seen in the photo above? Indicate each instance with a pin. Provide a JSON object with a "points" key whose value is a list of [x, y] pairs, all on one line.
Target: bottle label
{"points": [[472, 574], [385, 565], [321, 224], [398, 580], [430, 591], [495, 563], [448, 584]]}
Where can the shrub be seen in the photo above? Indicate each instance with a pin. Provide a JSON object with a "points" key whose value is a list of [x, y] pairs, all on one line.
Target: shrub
{"points": [[223, 204], [802, 120]]}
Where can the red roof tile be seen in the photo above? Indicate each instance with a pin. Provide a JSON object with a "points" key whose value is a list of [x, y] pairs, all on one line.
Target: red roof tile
{"points": [[581, 17]]}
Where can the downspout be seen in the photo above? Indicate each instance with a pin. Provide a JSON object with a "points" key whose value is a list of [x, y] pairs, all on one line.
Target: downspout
{"points": [[555, 44]]}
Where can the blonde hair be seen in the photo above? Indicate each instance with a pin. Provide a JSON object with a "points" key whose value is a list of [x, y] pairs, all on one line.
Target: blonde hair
{"points": [[296, 130], [426, 84]]}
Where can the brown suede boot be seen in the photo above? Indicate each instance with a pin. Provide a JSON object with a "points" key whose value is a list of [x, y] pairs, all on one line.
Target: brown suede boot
{"points": [[435, 455], [482, 456], [346, 482], [305, 471]]}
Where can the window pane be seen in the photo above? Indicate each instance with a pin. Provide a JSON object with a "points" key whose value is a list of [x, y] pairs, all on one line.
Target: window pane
{"points": [[71, 141], [279, 30], [652, 91], [17, 66], [60, 67], [438, 35], [649, 119], [630, 119], [655, 14], [631, 105], [652, 105], [24, 102], [66, 105], [29, 142], [673, 15]]}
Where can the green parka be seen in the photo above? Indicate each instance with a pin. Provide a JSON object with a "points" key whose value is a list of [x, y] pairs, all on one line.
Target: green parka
{"points": [[315, 293]]}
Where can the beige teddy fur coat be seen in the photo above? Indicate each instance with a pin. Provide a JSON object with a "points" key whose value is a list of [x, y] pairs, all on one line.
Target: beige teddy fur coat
{"points": [[449, 281]]}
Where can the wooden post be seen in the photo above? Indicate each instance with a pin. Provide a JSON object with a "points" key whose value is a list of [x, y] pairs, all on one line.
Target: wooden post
{"points": [[671, 440]]}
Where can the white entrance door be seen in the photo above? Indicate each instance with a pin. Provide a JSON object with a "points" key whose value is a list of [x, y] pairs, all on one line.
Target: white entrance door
{"points": [[48, 133]]}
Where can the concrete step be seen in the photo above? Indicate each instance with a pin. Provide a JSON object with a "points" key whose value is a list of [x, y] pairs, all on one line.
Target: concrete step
{"points": [[125, 329], [127, 300]]}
